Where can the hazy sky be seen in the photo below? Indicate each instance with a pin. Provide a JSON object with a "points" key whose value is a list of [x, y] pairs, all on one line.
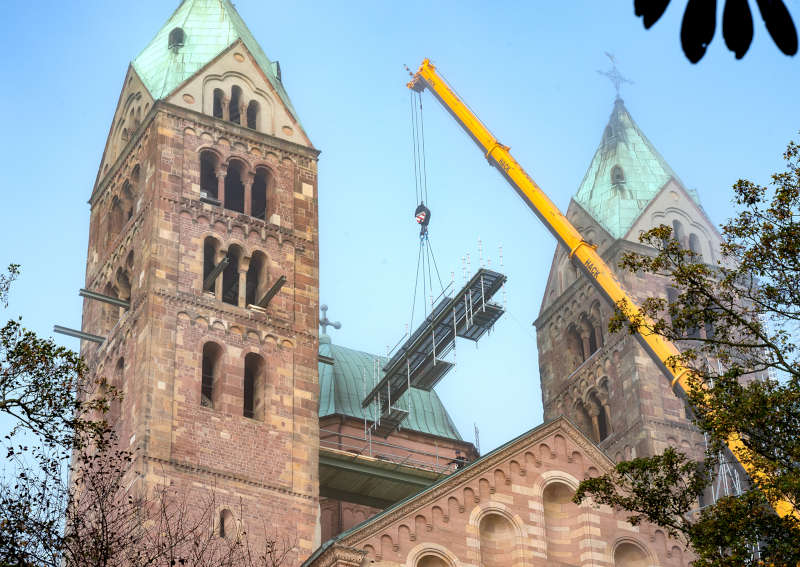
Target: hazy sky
{"points": [[528, 69]]}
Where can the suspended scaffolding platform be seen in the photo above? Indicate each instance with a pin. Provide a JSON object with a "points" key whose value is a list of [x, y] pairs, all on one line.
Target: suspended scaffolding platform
{"points": [[418, 363]]}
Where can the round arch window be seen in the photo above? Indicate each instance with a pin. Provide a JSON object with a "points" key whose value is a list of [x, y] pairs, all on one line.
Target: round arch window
{"points": [[176, 38]]}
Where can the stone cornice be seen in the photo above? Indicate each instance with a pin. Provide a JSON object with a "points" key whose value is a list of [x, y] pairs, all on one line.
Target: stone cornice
{"points": [[234, 131], [230, 312], [174, 111], [338, 556], [478, 469], [229, 218], [228, 476]]}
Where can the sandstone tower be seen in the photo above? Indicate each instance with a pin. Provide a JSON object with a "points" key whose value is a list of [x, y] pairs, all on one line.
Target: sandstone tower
{"points": [[607, 384], [204, 217]]}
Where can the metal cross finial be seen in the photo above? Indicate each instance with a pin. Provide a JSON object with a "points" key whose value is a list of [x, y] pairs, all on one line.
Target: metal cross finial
{"points": [[324, 322], [614, 75]]}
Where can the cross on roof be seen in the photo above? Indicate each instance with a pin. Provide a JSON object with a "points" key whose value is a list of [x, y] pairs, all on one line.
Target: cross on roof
{"points": [[614, 75], [324, 322]]}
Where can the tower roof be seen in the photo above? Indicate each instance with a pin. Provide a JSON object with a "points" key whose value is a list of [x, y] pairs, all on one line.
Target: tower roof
{"points": [[342, 387], [209, 27], [625, 174]]}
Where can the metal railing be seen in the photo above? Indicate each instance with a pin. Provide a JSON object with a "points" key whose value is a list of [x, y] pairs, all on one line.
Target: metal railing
{"points": [[398, 454]]}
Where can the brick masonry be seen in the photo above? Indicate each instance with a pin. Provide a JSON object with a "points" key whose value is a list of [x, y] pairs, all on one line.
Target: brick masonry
{"points": [[267, 468]]}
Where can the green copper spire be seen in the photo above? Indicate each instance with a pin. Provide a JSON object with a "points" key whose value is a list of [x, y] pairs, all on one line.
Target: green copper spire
{"points": [[209, 27], [625, 174]]}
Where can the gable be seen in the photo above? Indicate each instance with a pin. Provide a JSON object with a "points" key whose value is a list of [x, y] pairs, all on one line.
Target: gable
{"points": [[236, 67], [511, 507], [553, 451], [132, 108], [675, 207]]}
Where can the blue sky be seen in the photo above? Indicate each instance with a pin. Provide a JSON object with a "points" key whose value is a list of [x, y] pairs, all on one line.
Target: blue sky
{"points": [[528, 69]]}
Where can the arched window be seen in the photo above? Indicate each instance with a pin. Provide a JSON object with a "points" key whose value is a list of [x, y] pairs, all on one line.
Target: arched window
{"points": [[252, 115], [218, 103], [677, 231], [630, 555], [254, 370], [123, 284], [431, 561], [230, 276], [127, 202], [602, 429], [233, 107], [234, 188], [227, 524], [694, 246], [258, 203], [210, 249], [561, 522], [110, 312], [574, 348], [176, 38], [617, 175], [212, 361], [256, 280], [209, 186], [117, 218], [497, 540]]}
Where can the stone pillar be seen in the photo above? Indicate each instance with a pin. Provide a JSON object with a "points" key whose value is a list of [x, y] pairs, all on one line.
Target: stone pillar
{"points": [[247, 181], [226, 108], [594, 412], [606, 412], [243, 115], [222, 171], [242, 285], [587, 351]]}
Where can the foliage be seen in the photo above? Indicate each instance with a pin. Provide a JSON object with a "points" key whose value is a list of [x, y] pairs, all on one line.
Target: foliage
{"points": [[700, 21], [71, 497], [736, 323]]}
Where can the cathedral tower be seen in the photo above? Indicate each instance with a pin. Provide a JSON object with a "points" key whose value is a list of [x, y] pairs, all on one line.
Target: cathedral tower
{"points": [[608, 384], [204, 218]]}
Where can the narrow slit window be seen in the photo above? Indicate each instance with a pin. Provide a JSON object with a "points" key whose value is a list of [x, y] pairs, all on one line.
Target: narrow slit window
{"points": [[209, 186], [218, 102], [212, 357], [234, 188], [252, 115], [258, 204], [234, 113]]}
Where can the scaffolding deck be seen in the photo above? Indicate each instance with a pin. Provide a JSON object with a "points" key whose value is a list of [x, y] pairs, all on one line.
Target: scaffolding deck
{"points": [[468, 314], [389, 420]]}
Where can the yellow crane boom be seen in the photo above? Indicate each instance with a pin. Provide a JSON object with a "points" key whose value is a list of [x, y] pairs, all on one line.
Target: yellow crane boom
{"points": [[590, 261]]}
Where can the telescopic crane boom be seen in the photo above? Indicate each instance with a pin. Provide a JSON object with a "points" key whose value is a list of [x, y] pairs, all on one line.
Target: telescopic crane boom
{"points": [[587, 257]]}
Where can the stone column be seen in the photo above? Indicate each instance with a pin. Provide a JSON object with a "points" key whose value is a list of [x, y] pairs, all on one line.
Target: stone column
{"points": [[594, 412], [242, 302], [226, 108], [222, 171], [587, 351], [247, 181]]}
